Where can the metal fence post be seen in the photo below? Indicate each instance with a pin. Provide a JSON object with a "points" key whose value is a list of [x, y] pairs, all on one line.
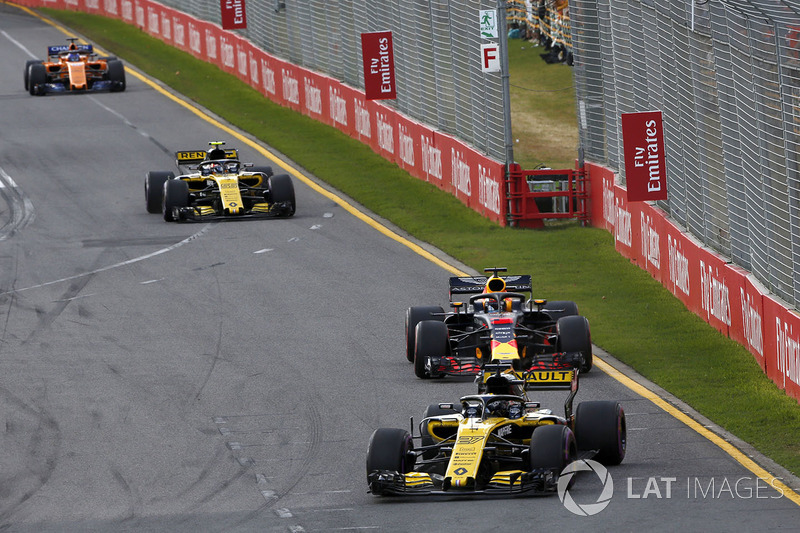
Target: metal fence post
{"points": [[509, 144]]}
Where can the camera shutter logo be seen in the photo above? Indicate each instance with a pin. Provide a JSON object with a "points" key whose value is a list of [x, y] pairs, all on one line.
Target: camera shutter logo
{"points": [[587, 509]]}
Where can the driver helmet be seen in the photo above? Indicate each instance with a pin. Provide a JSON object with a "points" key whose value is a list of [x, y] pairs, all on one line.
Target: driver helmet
{"points": [[218, 168], [497, 408], [486, 305], [73, 56]]}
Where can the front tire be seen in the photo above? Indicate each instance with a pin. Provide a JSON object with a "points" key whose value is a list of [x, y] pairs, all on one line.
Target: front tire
{"points": [[176, 195], [37, 78], [553, 447], [281, 189], [601, 426], [432, 340], [574, 336], [414, 316], [154, 189], [388, 449], [28, 64], [116, 75]]}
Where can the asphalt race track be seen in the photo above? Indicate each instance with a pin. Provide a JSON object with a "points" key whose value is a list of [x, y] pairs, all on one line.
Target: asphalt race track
{"points": [[227, 376]]}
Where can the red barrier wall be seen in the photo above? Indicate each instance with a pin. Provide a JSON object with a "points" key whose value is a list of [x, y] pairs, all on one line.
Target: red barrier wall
{"points": [[724, 295], [426, 154]]}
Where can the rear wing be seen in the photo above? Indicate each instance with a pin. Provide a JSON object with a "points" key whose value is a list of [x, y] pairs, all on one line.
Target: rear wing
{"points": [[195, 157], [548, 372], [477, 284], [80, 48]]}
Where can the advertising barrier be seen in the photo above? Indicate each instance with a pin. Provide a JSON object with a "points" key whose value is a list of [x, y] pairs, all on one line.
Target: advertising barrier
{"points": [[724, 295]]}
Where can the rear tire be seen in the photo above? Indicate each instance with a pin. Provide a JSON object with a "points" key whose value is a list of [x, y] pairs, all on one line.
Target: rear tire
{"points": [[559, 308], [427, 439], [116, 75], [267, 171], [414, 316], [600, 425], [281, 189], [176, 194], [388, 449], [432, 340], [574, 336], [154, 189], [37, 78], [552, 447]]}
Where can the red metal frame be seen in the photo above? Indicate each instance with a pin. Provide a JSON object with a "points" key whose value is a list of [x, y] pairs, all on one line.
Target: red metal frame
{"points": [[523, 209]]}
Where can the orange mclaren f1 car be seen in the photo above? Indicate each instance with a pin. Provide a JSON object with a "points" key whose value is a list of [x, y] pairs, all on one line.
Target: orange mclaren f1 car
{"points": [[73, 68]]}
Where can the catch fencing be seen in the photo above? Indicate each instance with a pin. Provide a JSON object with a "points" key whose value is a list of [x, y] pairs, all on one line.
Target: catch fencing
{"points": [[726, 76], [437, 58]]}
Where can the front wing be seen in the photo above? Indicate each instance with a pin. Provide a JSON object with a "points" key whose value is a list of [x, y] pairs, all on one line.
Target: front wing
{"points": [[99, 85], [277, 209], [505, 483]]}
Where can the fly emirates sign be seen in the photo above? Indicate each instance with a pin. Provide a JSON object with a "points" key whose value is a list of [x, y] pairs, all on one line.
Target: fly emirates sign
{"points": [[378, 55], [645, 164]]}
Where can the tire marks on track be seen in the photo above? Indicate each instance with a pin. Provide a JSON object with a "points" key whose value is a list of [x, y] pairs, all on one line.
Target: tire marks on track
{"points": [[37, 457], [187, 240], [20, 208]]}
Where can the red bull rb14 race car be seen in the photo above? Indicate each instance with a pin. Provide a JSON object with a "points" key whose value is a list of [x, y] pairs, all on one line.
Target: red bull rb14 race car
{"points": [[73, 68], [216, 185], [497, 323], [498, 442]]}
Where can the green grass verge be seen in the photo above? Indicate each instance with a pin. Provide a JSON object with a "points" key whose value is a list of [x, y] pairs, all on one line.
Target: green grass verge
{"points": [[632, 316]]}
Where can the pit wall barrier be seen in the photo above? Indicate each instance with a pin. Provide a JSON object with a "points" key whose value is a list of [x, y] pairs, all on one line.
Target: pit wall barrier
{"points": [[425, 153], [722, 294]]}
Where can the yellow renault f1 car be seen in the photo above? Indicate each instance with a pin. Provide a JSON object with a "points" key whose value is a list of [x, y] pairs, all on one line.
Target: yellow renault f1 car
{"points": [[218, 186], [498, 322], [73, 68], [497, 442]]}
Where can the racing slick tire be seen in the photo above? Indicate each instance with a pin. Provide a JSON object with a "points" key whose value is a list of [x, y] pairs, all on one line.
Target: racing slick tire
{"points": [[281, 189], [390, 449], [414, 316], [558, 308], [574, 336], [176, 195], [432, 340], [154, 189], [427, 439], [267, 171], [28, 64], [600, 425], [116, 75], [37, 78], [552, 447]]}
